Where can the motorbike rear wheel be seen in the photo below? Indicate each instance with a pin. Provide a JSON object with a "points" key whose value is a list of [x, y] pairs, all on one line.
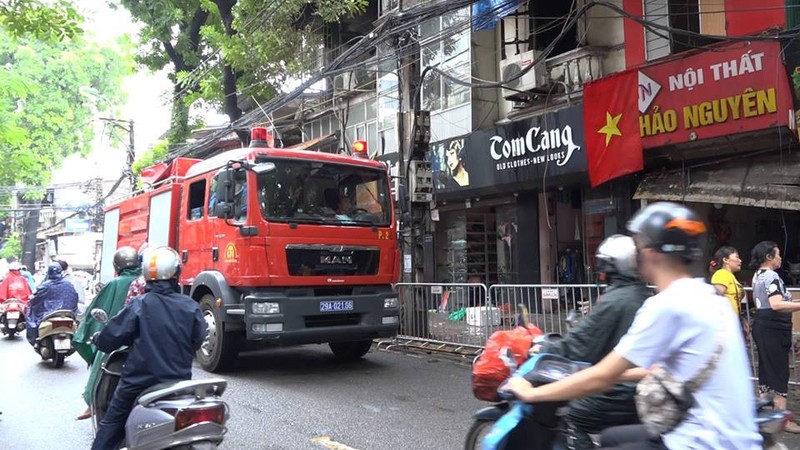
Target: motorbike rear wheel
{"points": [[476, 433], [58, 360]]}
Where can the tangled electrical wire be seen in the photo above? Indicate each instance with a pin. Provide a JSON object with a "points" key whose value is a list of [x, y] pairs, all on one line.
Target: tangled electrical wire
{"points": [[399, 25]]}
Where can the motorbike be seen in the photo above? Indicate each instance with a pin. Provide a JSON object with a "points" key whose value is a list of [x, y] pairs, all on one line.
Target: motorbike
{"points": [[12, 317], [188, 415], [513, 424], [55, 336]]}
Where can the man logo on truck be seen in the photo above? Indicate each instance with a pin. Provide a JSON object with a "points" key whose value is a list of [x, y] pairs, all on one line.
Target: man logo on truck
{"points": [[336, 259]]}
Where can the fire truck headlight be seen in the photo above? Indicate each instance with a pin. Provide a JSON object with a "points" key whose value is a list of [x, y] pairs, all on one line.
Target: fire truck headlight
{"points": [[266, 308], [391, 302]]}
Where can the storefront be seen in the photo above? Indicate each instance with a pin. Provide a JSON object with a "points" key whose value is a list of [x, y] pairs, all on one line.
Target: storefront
{"points": [[718, 133], [509, 202]]}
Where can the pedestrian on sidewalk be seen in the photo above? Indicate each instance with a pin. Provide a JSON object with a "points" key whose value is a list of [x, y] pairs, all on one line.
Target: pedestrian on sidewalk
{"points": [[772, 325], [725, 264]]}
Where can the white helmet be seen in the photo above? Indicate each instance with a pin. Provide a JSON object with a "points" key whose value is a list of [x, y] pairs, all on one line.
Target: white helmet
{"points": [[14, 266], [162, 263], [617, 254]]}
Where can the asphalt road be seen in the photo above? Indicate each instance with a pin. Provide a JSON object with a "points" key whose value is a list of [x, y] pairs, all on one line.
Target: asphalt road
{"points": [[281, 399], [294, 398]]}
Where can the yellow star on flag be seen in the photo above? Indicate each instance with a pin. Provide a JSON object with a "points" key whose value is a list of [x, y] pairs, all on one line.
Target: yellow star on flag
{"points": [[611, 129]]}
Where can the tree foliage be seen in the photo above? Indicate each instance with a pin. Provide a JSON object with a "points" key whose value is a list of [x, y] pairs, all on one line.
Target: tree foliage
{"points": [[153, 155], [11, 247], [45, 114], [220, 49], [52, 20]]}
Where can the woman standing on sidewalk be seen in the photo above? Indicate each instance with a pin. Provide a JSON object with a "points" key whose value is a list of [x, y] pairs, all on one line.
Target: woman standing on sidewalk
{"points": [[725, 264], [772, 326]]}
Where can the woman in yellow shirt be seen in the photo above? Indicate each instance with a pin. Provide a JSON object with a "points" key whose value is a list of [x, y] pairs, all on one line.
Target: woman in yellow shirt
{"points": [[726, 262]]}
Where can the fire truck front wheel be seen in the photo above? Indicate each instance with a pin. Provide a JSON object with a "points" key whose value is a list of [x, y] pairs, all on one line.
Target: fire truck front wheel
{"points": [[350, 351], [220, 348]]}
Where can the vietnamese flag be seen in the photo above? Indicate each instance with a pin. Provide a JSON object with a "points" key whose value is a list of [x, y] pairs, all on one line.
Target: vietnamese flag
{"points": [[611, 127]]}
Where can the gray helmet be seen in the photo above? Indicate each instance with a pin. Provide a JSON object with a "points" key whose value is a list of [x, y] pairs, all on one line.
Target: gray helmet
{"points": [[125, 258], [617, 255], [162, 263]]}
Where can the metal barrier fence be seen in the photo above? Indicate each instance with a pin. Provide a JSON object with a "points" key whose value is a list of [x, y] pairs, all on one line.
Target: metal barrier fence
{"points": [[460, 317]]}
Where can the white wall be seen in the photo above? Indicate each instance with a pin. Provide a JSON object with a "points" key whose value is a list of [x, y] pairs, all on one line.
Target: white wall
{"points": [[603, 27]]}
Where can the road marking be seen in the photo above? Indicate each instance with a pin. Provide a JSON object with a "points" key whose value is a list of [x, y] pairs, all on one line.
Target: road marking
{"points": [[326, 442]]}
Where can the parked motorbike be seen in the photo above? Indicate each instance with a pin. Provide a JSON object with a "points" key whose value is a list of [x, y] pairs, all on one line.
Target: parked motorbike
{"points": [[173, 415], [55, 336], [12, 317]]}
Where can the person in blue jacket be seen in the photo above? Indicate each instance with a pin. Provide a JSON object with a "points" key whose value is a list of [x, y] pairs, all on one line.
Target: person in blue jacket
{"points": [[163, 329], [54, 294]]}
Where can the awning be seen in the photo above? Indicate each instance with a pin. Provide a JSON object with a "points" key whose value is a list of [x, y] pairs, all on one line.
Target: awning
{"points": [[766, 181]]}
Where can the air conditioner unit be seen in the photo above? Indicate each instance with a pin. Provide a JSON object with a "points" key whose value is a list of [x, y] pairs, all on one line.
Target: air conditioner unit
{"points": [[344, 84], [535, 78]]}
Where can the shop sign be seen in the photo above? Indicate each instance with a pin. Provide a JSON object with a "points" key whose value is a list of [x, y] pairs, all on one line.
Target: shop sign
{"points": [[549, 293], [733, 89], [551, 145]]}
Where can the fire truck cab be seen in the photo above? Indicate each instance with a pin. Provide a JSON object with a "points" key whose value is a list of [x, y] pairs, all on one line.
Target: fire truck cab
{"points": [[280, 246]]}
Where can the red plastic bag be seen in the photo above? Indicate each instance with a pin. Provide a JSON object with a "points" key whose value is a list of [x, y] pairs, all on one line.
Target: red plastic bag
{"points": [[489, 371]]}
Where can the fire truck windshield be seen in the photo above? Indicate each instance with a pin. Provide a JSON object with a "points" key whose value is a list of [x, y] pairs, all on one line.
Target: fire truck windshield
{"points": [[324, 193]]}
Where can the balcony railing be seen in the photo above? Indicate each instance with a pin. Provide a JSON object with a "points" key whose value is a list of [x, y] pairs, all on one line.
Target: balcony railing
{"points": [[576, 67]]}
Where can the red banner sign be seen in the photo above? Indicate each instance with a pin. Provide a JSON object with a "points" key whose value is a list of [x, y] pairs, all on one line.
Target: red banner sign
{"points": [[725, 90]]}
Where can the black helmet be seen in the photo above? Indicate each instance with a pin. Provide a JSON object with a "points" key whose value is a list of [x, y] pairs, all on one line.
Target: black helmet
{"points": [[124, 258], [670, 228], [54, 271]]}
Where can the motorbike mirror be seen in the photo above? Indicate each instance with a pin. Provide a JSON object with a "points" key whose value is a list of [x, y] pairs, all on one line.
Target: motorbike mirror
{"points": [[99, 315], [573, 317]]}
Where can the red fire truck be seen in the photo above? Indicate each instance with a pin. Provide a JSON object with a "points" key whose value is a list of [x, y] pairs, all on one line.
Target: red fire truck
{"points": [[280, 246]]}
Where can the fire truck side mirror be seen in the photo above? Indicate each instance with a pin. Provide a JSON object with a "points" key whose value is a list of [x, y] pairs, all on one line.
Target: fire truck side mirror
{"points": [[225, 194]]}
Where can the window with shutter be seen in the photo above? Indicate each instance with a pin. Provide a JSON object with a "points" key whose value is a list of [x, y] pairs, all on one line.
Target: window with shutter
{"points": [[657, 42]]}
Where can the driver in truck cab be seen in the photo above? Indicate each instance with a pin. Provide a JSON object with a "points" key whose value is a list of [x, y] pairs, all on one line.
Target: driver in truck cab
{"points": [[163, 329]]}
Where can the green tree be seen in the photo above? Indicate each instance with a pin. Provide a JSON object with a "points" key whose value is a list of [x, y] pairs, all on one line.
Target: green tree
{"points": [[44, 112], [53, 20], [11, 247], [221, 48]]}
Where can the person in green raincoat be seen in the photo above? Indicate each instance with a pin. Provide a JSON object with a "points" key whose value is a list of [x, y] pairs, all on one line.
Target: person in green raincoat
{"points": [[110, 299]]}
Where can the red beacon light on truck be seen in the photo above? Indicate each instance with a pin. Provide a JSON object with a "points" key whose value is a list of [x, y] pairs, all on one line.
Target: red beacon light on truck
{"points": [[261, 137], [360, 149]]}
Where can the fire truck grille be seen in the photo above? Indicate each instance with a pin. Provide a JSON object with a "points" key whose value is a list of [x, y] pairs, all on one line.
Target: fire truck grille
{"points": [[333, 320], [329, 260]]}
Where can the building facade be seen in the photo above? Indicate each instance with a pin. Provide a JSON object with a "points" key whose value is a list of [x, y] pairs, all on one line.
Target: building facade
{"points": [[504, 84]]}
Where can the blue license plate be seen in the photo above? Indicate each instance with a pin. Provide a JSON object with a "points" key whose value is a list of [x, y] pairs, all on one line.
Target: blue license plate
{"points": [[341, 305]]}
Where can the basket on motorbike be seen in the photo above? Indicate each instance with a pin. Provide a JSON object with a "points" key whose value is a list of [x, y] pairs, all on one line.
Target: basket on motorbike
{"points": [[492, 367]]}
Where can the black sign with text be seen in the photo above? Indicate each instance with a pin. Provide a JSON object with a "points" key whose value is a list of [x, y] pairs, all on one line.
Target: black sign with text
{"points": [[520, 155]]}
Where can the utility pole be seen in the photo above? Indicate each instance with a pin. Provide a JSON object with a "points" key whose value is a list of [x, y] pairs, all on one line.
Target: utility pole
{"points": [[98, 211], [130, 160], [415, 321], [131, 152]]}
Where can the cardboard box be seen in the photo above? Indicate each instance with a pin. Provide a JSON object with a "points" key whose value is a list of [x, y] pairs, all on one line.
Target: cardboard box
{"points": [[482, 316]]}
